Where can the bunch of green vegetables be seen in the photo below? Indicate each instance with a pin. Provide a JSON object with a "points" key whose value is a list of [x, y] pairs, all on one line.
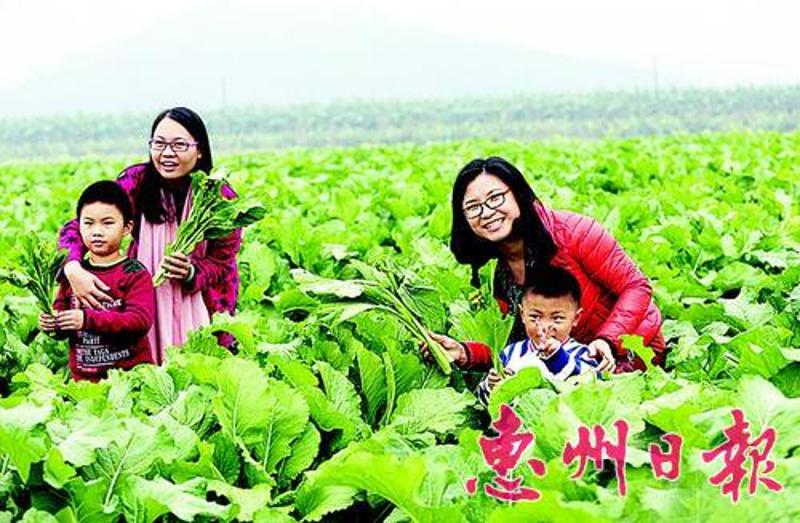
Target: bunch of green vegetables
{"points": [[36, 269], [211, 217], [389, 289]]}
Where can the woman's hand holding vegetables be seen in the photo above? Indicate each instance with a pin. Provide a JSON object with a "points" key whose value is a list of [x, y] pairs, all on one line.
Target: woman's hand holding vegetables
{"points": [[87, 288], [177, 266], [453, 349]]}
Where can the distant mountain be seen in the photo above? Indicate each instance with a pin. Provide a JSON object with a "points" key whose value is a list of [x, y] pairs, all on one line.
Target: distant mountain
{"points": [[213, 58]]}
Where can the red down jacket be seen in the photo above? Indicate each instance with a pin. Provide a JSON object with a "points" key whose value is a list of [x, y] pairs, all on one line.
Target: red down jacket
{"points": [[615, 296]]}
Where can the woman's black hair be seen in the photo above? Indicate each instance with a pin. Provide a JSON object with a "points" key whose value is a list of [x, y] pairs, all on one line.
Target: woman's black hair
{"points": [[149, 199], [470, 249]]}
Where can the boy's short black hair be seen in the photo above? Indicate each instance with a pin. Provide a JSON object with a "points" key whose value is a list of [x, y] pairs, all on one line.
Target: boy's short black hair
{"points": [[552, 282], [107, 192]]}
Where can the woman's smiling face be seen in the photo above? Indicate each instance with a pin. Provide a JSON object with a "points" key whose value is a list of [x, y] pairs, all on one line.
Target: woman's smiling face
{"points": [[490, 208], [168, 136]]}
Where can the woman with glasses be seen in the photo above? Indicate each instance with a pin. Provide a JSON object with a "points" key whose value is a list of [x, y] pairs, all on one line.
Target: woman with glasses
{"points": [[497, 215], [199, 285]]}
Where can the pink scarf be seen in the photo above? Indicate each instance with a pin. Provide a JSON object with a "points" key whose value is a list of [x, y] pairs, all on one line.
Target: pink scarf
{"points": [[177, 311]]}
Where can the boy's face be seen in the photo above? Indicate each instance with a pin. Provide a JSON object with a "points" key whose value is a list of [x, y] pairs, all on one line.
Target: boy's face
{"points": [[554, 316], [102, 228]]}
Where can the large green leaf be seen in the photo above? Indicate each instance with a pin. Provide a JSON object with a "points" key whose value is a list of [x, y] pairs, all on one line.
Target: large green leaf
{"points": [[138, 448], [365, 468], [339, 390], [265, 415], [246, 501], [745, 310], [203, 467], [550, 508], [287, 417], [764, 406], [314, 284], [337, 408], [512, 387], [83, 433], [260, 264], [145, 501], [88, 501], [676, 411], [759, 350], [157, 388], [38, 516], [294, 372], [56, 471], [788, 380], [693, 497], [304, 451], [242, 389], [18, 438], [441, 411], [373, 382]]}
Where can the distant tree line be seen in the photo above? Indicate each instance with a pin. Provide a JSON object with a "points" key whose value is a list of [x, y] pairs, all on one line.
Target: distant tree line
{"points": [[520, 116]]}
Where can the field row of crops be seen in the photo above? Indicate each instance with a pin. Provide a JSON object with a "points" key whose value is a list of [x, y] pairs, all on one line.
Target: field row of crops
{"points": [[336, 417], [521, 117]]}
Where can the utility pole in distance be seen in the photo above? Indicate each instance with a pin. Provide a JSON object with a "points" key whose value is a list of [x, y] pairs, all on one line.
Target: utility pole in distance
{"points": [[224, 93]]}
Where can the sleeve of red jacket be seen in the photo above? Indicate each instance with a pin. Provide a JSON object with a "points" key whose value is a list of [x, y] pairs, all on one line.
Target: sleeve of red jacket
{"points": [[479, 356], [602, 258], [138, 313], [70, 236], [219, 258]]}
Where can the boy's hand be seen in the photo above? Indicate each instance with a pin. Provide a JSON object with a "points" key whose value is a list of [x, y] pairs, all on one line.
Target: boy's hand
{"points": [[549, 347], [177, 266], [71, 320], [493, 378], [546, 344], [47, 323], [454, 349]]}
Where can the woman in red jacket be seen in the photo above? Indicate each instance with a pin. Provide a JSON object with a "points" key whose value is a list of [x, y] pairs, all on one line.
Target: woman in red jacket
{"points": [[497, 215]]}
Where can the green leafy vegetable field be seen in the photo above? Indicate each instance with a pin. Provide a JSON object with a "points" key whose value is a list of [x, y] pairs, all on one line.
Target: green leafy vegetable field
{"points": [[327, 411]]}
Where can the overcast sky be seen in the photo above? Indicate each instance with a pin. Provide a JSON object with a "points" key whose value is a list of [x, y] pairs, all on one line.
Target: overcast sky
{"points": [[711, 42]]}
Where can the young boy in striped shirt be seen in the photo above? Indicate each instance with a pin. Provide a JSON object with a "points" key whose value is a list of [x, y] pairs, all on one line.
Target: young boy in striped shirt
{"points": [[550, 309]]}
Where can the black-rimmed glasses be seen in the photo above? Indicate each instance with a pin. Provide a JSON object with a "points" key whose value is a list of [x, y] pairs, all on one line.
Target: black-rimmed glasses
{"points": [[475, 210], [178, 146]]}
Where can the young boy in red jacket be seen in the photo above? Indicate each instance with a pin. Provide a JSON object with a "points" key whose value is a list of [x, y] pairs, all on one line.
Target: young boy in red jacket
{"points": [[115, 336]]}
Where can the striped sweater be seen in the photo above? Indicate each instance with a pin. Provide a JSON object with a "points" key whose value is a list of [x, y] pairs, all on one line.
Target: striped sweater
{"points": [[571, 359]]}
